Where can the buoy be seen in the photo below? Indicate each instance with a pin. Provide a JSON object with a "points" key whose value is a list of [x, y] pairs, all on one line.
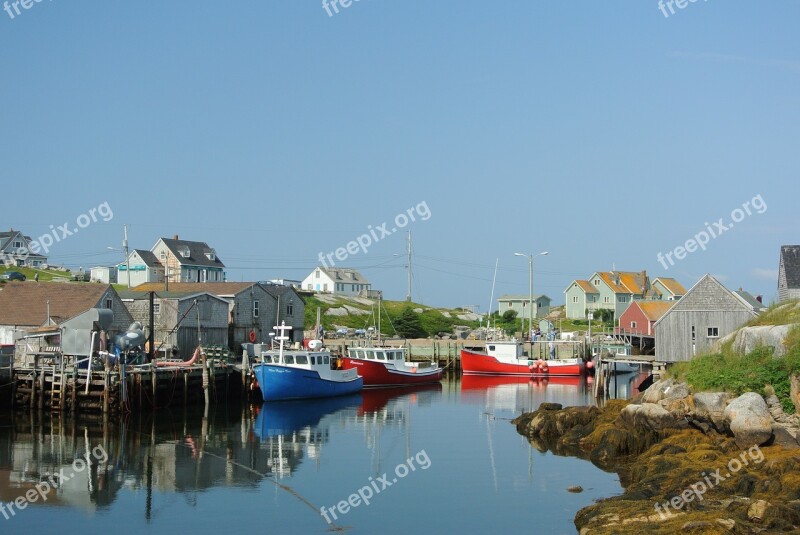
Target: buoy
{"points": [[252, 336]]}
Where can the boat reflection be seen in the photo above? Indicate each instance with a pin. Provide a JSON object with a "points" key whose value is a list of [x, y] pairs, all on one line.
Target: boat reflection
{"points": [[518, 394]]}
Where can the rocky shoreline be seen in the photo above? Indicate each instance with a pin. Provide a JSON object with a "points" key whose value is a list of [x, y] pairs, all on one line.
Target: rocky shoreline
{"points": [[692, 463]]}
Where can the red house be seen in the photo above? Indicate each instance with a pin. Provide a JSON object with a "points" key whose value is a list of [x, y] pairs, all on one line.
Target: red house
{"points": [[641, 316]]}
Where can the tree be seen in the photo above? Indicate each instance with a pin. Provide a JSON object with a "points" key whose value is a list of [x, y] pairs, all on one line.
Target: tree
{"points": [[408, 325], [509, 316]]}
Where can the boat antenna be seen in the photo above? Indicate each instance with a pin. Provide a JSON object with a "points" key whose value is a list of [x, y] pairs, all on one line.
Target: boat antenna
{"points": [[491, 299]]}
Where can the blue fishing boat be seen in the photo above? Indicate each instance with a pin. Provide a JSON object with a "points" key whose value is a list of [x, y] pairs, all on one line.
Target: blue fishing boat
{"points": [[299, 374]]}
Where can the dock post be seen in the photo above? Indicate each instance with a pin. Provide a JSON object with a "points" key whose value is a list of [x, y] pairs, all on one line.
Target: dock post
{"points": [[154, 385], [33, 384]]}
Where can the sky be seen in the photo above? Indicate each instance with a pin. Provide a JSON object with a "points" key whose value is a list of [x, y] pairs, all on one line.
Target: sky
{"points": [[603, 133]]}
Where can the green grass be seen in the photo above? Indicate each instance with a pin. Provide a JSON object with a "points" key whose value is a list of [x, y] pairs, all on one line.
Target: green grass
{"points": [[730, 372], [779, 314], [432, 319], [44, 274]]}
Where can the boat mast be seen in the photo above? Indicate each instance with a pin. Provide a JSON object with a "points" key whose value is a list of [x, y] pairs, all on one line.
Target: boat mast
{"points": [[380, 296], [491, 299]]}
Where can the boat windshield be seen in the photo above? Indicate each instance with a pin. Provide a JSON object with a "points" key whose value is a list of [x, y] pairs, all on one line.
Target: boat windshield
{"points": [[302, 359], [371, 355], [266, 358], [381, 355], [313, 360], [288, 359], [326, 360], [360, 354]]}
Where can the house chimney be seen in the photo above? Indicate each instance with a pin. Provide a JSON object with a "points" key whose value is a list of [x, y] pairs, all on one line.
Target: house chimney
{"points": [[760, 299], [175, 237]]}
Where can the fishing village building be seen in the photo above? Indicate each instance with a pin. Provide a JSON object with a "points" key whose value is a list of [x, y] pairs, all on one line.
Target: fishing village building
{"points": [[519, 304], [143, 266], [15, 250], [707, 313], [789, 273], [254, 309], [29, 305], [344, 281], [188, 261]]}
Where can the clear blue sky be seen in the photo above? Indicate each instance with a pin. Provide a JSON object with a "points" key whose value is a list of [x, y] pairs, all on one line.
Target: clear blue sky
{"points": [[602, 132]]}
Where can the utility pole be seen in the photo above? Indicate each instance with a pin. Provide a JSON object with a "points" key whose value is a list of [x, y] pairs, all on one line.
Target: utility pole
{"points": [[127, 256], [408, 292]]}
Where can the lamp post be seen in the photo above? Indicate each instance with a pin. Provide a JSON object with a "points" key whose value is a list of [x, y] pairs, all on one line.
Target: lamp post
{"points": [[530, 297]]}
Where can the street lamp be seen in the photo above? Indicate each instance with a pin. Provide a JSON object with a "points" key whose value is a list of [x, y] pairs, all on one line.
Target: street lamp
{"points": [[530, 297]]}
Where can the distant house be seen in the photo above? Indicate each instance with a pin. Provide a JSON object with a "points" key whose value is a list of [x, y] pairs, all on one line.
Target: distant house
{"points": [[104, 274], [581, 297], [789, 273], [707, 312], [252, 307], [519, 304], [612, 290], [169, 308], [756, 302], [26, 306], [343, 281], [144, 267], [15, 250], [640, 317], [188, 261], [287, 282], [667, 289]]}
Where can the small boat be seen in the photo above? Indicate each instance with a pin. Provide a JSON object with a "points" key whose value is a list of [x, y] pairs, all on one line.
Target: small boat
{"points": [[387, 366], [301, 374], [507, 358]]}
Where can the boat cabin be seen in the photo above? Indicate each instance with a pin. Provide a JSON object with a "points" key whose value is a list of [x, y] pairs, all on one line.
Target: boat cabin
{"points": [[384, 354], [302, 359], [504, 350]]}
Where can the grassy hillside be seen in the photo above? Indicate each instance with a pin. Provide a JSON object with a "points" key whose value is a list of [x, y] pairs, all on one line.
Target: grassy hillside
{"points": [[44, 274], [364, 313], [728, 371]]}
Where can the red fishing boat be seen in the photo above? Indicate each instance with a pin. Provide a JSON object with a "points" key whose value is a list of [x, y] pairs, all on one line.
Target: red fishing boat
{"points": [[387, 366], [507, 358]]}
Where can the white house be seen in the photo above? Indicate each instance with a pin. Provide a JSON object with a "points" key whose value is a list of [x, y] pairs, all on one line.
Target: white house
{"points": [[144, 267], [15, 250], [343, 281], [104, 274]]}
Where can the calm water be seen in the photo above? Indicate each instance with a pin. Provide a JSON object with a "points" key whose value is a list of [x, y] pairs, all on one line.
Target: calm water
{"points": [[270, 469]]}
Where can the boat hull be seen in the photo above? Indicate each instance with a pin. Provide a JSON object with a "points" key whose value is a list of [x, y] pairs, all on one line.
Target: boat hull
{"points": [[281, 383], [377, 374], [474, 363]]}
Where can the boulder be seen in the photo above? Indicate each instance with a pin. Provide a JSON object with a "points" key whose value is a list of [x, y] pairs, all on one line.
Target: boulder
{"points": [[648, 416], [655, 392], [757, 510], [341, 311], [749, 420], [749, 338], [676, 391], [710, 407]]}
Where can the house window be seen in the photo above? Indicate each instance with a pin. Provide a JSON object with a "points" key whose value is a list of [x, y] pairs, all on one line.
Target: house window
{"points": [[713, 332], [156, 309], [289, 309], [109, 303], [633, 325], [597, 282], [575, 299], [17, 244], [316, 274], [606, 299], [693, 333], [255, 309], [325, 287], [510, 304], [163, 255], [309, 286]]}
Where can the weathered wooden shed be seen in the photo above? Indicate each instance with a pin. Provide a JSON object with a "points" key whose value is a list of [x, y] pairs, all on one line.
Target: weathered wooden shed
{"points": [[708, 312]]}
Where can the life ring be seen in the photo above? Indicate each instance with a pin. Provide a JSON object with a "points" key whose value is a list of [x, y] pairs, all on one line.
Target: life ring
{"points": [[252, 337]]}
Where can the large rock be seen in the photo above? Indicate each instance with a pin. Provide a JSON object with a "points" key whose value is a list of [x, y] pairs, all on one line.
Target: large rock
{"points": [[655, 392], [794, 393], [749, 420], [648, 416], [710, 407], [749, 338]]}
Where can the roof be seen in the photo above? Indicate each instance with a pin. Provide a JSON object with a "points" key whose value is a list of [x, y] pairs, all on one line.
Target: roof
{"points": [[187, 288], [750, 299], [672, 285], [148, 257], [653, 310], [197, 253], [586, 286], [133, 295], [520, 297], [790, 260], [721, 287], [25, 303], [344, 275], [610, 278]]}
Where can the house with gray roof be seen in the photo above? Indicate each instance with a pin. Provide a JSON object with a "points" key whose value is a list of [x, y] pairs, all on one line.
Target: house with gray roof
{"points": [[789, 273], [519, 304], [144, 268], [17, 249], [757, 302], [344, 281], [188, 261]]}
